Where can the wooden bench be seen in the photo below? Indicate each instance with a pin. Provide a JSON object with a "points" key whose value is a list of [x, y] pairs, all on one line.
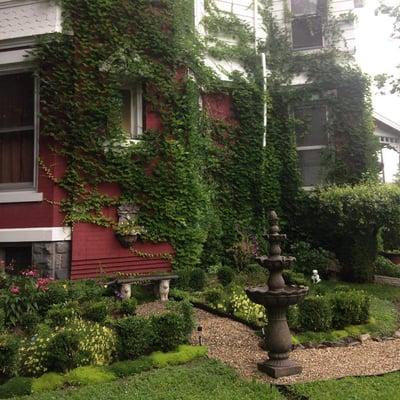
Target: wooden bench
{"points": [[125, 290]]}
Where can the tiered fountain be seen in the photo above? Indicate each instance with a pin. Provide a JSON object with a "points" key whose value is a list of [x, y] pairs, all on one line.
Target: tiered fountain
{"points": [[276, 297]]}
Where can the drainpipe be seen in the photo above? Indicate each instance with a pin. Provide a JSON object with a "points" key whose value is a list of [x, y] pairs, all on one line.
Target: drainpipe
{"points": [[265, 77], [264, 69]]}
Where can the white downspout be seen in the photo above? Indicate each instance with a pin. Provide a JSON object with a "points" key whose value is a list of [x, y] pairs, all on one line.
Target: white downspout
{"points": [[265, 77], [264, 70]]}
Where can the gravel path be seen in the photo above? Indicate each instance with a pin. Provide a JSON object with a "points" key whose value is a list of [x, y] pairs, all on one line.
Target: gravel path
{"points": [[238, 346]]}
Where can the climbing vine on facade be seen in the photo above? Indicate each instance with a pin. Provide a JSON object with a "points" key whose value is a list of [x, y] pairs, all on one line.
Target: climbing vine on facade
{"points": [[201, 182]]}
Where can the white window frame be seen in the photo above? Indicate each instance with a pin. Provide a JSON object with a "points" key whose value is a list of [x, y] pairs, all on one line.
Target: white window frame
{"points": [[17, 193], [316, 147], [136, 112], [304, 16]]}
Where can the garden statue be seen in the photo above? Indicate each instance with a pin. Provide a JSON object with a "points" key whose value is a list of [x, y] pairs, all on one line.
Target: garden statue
{"points": [[276, 297], [315, 277], [164, 289], [125, 291]]}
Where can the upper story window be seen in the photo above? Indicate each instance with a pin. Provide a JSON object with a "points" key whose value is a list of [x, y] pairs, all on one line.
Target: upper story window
{"points": [[307, 23], [311, 140], [132, 112], [17, 131]]}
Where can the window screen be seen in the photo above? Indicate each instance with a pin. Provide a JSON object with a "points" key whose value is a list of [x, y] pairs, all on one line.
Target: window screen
{"points": [[310, 167], [16, 130], [311, 126], [307, 32]]}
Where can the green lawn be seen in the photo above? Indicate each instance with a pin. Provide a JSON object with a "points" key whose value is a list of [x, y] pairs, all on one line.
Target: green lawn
{"points": [[386, 387], [199, 380]]}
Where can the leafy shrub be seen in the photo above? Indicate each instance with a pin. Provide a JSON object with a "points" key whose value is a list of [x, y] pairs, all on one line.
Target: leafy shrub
{"points": [[128, 307], [213, 297], [65, 351], [86, 290], [47, 382], [135, 337], [96, 311], [315, 314], [56, 293], [2, 318], [131, 367], [349, 220], [385, 267], [61, 314], [293, 317], [184, 354], [8, 354], [185, 309], [225, 275], [17, 386], [309, 258], [294, 278], [96, 345], [197, 279], [243, 307], [21, 299], [89, 375], [350, 307], [169, 331]]}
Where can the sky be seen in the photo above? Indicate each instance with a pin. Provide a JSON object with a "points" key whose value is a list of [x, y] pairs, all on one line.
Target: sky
{"points": [[377, 52]]}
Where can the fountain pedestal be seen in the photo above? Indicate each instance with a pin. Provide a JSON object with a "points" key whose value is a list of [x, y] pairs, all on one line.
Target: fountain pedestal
{"points": [[276, 297]]}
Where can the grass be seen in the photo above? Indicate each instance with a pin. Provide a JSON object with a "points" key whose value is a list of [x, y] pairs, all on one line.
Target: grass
{"points": [[198, 380], [385, 387]]}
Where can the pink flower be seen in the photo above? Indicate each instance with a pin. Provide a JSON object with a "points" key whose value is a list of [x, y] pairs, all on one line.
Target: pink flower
{"points": [[41, 284], [14, 289], [30, 272]]}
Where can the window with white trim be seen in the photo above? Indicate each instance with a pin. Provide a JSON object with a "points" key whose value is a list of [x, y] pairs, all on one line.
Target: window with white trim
{"points": [[18, 134], [132, 111], [307, 23], [311, 140]]}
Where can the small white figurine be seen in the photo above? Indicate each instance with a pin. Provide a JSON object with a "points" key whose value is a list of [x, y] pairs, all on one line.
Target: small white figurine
{"points": [[125, 291], [164, 289], [315, 277]]}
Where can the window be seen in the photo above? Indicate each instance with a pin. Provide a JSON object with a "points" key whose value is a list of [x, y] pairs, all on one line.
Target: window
{"points": [[132, 112], [17, 131], [18, 256], [311, 140], [307, 23]]}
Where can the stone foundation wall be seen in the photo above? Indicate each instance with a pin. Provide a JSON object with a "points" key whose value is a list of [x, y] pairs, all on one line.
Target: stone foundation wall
{"points": [[387, 280], [52, 258]]}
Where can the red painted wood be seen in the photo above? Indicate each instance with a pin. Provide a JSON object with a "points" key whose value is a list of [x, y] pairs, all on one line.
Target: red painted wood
{"points": [[96, 251]]}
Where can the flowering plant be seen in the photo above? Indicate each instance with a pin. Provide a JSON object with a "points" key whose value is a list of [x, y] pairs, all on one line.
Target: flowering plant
{"points": [[22, 295]]}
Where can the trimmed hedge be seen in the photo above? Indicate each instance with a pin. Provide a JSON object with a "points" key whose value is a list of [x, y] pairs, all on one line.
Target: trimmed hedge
{"points": [[337, 310], [89, 375], [8, 355], [350, 308], [315, 313], [135, 337]]}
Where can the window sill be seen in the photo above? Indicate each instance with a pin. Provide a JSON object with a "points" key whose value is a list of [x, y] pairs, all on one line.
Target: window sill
{"points": [[21, 196]]}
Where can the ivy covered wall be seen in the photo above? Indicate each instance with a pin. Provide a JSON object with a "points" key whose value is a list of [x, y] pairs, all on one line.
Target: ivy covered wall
{"points": [[203, 181]]}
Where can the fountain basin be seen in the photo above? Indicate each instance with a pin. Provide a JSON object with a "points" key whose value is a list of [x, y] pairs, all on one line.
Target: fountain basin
{"points": [[286, 296], [275, 264]]}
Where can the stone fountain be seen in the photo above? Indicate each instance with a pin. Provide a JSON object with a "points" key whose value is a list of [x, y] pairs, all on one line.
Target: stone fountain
{"points": [[276, 297]]}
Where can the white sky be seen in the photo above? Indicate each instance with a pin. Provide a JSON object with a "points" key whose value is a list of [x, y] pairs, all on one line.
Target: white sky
{"points": [[378, 53]]}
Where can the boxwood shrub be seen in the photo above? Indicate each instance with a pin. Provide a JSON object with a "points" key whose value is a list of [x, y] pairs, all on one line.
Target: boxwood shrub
{"points": [[350, 307], [135, 337], [315, 314], [8, 354]]}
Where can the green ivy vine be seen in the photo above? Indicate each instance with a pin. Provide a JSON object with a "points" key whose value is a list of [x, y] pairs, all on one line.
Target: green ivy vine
{"points": [[201, 183]]}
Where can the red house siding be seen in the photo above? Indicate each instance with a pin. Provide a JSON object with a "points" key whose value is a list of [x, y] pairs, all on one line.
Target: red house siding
{"points": [[96, 250]]}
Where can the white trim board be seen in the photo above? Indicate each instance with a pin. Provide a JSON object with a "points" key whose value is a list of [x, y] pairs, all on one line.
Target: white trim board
{"points": [[51, 234]]}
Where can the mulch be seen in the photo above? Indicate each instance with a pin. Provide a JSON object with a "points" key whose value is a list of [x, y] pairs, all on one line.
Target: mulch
{"points": [[239, 346]]}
